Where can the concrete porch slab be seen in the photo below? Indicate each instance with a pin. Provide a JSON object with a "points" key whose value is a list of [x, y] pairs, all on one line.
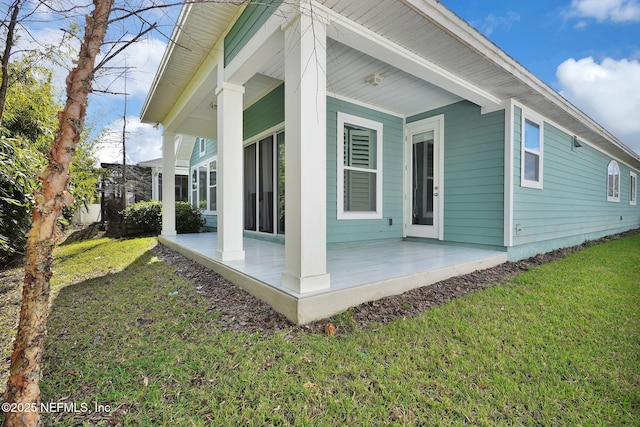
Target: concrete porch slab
{"points": [[358, 273]]}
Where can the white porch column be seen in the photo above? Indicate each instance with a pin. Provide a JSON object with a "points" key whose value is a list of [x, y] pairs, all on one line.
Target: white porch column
{"points": [[230, 172], [305, 147], [168, 184]]}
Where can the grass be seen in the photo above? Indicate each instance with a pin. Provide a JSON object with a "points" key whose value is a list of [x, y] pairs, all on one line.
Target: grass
{"points": [[558, 345]]}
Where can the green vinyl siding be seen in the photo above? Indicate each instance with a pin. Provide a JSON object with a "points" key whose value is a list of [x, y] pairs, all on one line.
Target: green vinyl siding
{"points": [[264, 114], [473, 173], [340, 232], [249, 22], [211, 150], [572, 206]]}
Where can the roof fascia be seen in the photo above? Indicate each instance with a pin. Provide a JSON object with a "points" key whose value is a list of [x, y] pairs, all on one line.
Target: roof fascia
{"points": [[204, 81], [177, 30]]}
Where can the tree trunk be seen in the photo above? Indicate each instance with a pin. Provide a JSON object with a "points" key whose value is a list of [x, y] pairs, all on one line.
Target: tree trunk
{"points": [[25, 371]]}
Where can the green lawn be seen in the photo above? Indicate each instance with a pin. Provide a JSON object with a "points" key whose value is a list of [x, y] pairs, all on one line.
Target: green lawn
{"points": [[558, 345]]}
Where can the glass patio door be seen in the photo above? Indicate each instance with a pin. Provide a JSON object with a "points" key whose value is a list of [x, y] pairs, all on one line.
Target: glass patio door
{"points": [[422, 218], [264, 185]]}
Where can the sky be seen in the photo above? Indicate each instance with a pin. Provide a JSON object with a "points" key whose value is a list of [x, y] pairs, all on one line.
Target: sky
{"points": [[587, 50]]}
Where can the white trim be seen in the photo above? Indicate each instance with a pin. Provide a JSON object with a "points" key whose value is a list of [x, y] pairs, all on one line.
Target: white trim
{"points": [[538, 121], [435, 107], [366, 105], [614, 198], [435, 124], [343, 119], [493, 108], [213, 159], [569, 134], [633, 188], [178, 144], [259, 136], [405, 210], [195, 167], [508, 172]]}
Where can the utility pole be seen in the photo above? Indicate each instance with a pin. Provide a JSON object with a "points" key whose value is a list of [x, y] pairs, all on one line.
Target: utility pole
{"points": [[124, 154], [124, 148]]}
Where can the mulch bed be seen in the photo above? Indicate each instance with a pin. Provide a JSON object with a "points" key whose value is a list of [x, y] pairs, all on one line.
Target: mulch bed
{"points": [[243, 312]]}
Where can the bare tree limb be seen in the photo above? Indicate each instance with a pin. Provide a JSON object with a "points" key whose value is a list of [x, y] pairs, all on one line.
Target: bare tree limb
{"points": [[127, 44]]}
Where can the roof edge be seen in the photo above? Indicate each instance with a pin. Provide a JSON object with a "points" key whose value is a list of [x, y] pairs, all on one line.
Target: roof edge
{"points": [[175, 34]]}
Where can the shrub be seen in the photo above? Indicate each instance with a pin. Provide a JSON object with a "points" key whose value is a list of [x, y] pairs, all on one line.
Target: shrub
{"points": [[188, 218], [143, 217], [18, 169]]}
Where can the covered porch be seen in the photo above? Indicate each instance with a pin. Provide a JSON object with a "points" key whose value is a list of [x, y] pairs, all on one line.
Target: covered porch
{"points": [[249, 52], [358, 273]]}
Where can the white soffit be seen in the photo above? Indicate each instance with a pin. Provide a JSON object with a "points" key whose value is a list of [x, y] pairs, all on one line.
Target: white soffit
{"points": [[199, 27]]}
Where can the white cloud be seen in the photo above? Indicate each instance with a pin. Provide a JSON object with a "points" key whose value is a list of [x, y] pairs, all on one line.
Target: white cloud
{"points": [[143, 142], [608, 91], [141, 60], [492, 22], [606, 10], [52, 40]]}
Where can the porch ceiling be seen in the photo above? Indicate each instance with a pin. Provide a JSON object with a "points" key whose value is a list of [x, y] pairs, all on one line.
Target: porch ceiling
{"points": [[203, 118], [347, 73], [399, 93]]}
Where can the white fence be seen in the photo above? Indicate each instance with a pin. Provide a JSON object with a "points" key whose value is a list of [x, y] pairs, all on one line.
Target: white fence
{"points": [[87, 215]]}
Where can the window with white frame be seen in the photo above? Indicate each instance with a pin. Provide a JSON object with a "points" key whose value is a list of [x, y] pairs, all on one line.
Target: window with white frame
{"points": [[633, 184], [202, 146], [613, 182], [531, 166], [204, 185], [213, 184], [359, 168]]}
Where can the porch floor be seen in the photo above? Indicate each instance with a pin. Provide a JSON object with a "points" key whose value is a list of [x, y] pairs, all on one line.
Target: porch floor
{"points": [[358, 273]]}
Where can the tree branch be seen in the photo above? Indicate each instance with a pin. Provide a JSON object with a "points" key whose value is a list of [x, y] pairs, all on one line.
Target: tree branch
{"points": [[126, 45]]}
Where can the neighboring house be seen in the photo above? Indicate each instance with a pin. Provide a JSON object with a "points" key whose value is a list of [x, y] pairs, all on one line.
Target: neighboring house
{"points": [[181, 180], [138, 183], [400, 123]]}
